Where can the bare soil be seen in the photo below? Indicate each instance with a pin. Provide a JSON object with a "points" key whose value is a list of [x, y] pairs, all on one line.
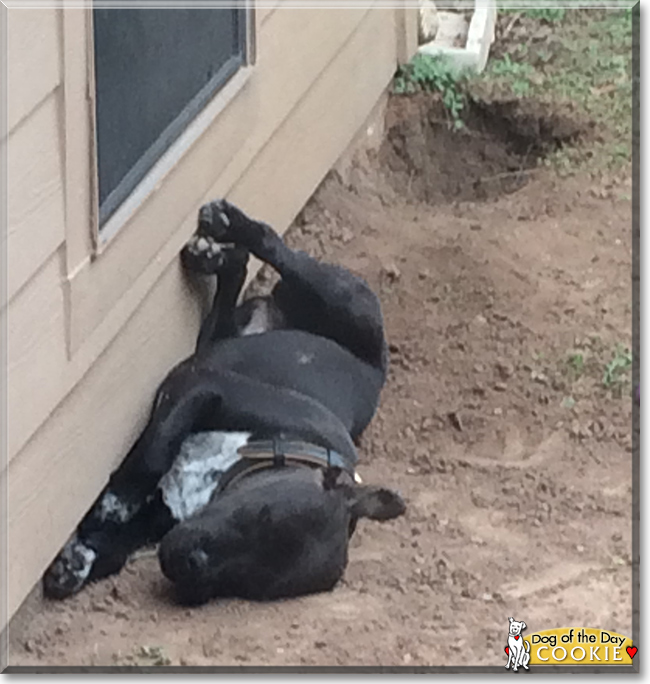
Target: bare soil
{"points": [[495, 276]]}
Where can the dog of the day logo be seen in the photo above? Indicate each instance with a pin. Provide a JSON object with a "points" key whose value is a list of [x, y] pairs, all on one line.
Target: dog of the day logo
{"points": [[566, 646]]}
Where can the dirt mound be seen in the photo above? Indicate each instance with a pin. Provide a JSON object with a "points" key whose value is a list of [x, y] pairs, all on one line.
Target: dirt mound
{"points": [[501, 141]]}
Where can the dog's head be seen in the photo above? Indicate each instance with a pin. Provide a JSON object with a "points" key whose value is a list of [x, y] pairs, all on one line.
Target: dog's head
{"points": [[277, 533], [516, 627]]}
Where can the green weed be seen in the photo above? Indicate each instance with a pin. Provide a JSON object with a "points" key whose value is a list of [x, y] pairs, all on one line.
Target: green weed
{"points": [[616, 371], [433, 74], [576, 363], [549, 15]]}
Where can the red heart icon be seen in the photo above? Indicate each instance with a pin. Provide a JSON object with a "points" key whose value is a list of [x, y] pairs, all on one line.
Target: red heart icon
{"points": [[517, 638], [507, 650], [631, 651]]}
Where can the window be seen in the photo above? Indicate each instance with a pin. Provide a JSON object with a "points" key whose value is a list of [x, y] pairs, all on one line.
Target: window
{"points": [[154, 71]]}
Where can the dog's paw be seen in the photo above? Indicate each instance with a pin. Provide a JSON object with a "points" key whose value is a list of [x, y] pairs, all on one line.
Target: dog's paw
{"points": [[203, 254], [69, 571], [221, 220]]}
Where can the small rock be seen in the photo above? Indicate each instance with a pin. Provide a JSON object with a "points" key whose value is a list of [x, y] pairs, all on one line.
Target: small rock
{"points": [[539, 377], [580, 548], [391, 273], [500, 386], [346, 236], [498, 411], [504, 369], [454, 419]]}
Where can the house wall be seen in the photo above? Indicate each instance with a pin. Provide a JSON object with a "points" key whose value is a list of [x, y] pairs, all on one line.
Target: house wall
{"points": [[91, 332]]}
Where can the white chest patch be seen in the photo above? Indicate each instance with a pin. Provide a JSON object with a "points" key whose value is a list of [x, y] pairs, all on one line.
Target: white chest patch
{"points": [[258, 323], [188, 485]]}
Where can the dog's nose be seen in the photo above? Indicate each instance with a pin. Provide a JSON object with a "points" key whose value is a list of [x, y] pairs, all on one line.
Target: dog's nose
{"points": [[197, 560]]}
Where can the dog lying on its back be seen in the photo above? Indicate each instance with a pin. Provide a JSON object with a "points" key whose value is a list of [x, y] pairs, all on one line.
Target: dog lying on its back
{"points": [[246, 468]]}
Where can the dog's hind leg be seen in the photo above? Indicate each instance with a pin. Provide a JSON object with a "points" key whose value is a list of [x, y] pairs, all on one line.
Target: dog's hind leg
{"points": [[229, 265], [320, 298]]}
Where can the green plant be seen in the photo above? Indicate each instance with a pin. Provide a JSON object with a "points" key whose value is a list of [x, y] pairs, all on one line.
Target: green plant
{"points": [[516, 73], [576, 363], [549, 15], [616, 371], [143, 656], [432, 74]]}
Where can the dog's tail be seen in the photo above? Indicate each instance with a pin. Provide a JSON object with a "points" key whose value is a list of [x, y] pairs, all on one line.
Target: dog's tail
{"points": [[526, 646]]}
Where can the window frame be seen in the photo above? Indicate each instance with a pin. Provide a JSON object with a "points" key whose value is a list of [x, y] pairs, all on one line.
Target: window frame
{"points": [[146, 161], [95, 259]]}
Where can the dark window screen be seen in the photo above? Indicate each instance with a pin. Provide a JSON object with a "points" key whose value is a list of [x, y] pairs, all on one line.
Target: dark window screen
{"points": [[154, 70]]}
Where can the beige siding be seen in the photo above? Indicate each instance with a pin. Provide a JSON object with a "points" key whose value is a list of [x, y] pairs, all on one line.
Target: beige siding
{"points": [[269, 7], [33, 60], [74, 409], [36, 353], [36, 221]]}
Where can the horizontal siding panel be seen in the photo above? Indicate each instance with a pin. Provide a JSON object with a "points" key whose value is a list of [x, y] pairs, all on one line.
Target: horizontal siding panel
{"points": [[36, 218], [33, 59], [36, 353]]}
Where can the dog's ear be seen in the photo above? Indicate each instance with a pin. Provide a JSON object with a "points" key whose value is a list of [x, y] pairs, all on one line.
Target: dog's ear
{"points": [[511, 619], [523, 626], [376, 503], [365, 501]]}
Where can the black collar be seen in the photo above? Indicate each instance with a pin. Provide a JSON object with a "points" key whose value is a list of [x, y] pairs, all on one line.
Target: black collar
{"points": [[276, 453]]}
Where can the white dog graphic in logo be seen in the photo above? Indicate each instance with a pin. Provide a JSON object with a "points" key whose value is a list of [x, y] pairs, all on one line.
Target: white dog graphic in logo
{"points": [[517, 650]]}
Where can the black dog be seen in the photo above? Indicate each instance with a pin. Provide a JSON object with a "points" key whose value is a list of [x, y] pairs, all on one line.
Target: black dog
{"points": [[246, 468]]}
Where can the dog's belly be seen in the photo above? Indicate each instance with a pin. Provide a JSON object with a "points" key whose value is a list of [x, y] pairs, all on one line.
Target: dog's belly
{"points": [[203, 458]]}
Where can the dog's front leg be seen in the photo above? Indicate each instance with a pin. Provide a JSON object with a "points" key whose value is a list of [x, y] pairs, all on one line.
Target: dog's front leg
{"points": [[119, 521]]}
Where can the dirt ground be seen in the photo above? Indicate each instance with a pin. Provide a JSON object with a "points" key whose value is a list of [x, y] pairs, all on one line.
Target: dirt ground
{"points": [[506, 291]]}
